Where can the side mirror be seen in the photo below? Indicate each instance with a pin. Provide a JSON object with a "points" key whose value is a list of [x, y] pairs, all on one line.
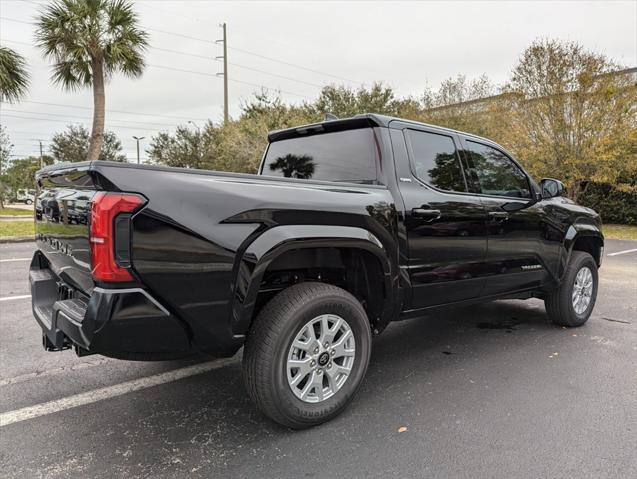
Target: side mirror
{"points": [[552, 188]]}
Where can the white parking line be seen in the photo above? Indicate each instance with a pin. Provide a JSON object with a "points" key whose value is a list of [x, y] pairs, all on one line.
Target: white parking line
{"points": [[11, 298], [623, 252], [89, 397], [14, 259], [52, 372]]}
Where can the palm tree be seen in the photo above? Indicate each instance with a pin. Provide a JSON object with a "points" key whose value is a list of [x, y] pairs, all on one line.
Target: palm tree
{"points": [[294, 166], [89, 41], [14, 78]]}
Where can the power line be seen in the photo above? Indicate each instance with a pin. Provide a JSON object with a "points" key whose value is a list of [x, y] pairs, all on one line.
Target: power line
{"points": [[248, 52], [209, 74], [178, 35], [110, 125], [23, 132], [85, 118], [275, 75], [237, 65], [17, 21], [205, 57], [265, 87], [199, 20], [293, 65], [241, 50], [230, 79], [16, 41], [170, 12], [115, 111]]}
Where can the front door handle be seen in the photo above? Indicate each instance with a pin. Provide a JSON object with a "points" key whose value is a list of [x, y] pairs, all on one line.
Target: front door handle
{"points": [[499, 215], [426, 214]]}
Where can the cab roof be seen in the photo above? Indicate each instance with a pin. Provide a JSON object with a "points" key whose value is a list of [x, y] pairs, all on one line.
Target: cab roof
{"points": [[364, 120]]}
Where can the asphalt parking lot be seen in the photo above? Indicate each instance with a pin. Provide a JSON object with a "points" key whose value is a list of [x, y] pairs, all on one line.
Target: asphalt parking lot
{"points": [[493, 391]]}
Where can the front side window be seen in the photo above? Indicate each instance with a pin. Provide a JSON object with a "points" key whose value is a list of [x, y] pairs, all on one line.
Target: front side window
{"points": [[495, 173], [436, 161], [348, 156]]}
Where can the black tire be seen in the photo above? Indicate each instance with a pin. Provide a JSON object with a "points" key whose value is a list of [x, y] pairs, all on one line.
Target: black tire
{"points": [[559, 303], [268, 343]]}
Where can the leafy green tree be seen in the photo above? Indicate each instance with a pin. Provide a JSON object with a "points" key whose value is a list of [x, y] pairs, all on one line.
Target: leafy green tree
{"points": [[14, 78], [458, 90], [5, 149], [21, 173], [73, 145], [461, 104], [572, 115], [89, 41], [344, 102], [5, 154], [186, 148], [240, 144]]}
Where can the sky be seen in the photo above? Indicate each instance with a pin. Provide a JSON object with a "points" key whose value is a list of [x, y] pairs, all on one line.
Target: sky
{"points": [[296, 48]]}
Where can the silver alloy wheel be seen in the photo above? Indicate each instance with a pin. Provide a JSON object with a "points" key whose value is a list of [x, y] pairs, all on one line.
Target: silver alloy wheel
{"points": [[582, 290], [320, 358]]}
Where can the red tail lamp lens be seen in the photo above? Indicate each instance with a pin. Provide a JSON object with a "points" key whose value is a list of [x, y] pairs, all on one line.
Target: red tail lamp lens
{"points": [[104, 209]]}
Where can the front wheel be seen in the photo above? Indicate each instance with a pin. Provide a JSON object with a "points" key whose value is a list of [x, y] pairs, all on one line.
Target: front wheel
{"points": [[572, 303], [306, 354]]}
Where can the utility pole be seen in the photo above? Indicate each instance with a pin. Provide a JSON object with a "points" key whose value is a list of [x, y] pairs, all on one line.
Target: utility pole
{"points": [[41, 151], [138, 139], [225, 72]]}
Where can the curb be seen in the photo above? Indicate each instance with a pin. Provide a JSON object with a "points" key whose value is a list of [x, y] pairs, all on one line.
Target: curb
{"points": [[16, 239]]}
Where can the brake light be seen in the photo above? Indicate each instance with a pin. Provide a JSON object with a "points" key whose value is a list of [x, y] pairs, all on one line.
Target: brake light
{"points": [[105, 208]]}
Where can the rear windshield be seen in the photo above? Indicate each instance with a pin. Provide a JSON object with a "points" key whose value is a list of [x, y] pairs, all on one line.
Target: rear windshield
{"points": [[350, 155]]}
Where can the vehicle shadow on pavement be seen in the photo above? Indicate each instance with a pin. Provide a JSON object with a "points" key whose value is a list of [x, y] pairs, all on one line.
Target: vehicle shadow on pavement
{"points": [[207, 423]]}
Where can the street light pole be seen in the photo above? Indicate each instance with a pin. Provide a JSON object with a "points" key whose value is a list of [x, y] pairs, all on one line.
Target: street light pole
{"points": [[138, 139]]}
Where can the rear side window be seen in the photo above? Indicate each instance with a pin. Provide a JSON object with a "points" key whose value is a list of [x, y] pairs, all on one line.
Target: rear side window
{"points": [[350, 155], [495, 172], [436, 161]]}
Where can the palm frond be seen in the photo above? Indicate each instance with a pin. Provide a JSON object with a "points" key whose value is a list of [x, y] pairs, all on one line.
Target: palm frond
{"points": [[76, 33], [14, 78]]}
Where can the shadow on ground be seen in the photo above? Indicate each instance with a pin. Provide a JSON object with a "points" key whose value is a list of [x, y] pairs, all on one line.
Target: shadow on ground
{"points": [[206, 423]]}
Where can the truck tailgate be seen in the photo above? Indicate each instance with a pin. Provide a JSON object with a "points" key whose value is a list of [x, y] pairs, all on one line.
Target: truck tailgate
{"points": [[62, 215]]}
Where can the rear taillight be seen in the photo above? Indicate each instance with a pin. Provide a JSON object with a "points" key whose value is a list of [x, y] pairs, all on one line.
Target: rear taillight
{"points": [[109, 235]]}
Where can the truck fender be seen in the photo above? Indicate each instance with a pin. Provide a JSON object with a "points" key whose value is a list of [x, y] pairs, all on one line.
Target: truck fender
{"points": [[280, 239], [574, 233]]}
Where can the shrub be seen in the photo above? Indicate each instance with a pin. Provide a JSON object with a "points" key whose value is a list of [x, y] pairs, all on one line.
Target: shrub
{"points": [[613, 204]]}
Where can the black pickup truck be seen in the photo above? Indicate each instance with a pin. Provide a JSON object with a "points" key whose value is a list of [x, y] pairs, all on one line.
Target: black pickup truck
{"points": [[349, 225]]}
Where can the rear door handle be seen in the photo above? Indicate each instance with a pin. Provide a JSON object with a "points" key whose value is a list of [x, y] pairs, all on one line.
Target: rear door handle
{"points": [[424, 213]]}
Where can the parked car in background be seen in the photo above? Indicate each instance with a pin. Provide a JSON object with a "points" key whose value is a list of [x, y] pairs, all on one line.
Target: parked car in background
{"points": [[349, 225], [42, 202], [25, 196]]}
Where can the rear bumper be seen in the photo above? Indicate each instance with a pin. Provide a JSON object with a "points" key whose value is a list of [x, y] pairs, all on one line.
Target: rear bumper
{"points": [[123, 323]]}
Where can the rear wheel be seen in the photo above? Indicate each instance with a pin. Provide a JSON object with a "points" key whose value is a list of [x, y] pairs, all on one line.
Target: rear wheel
{"points": [[572, 303], [306, 354]]}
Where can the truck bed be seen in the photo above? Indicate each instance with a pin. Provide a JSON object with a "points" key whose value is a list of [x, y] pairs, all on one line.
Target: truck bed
{"points": [[188, 243]]}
